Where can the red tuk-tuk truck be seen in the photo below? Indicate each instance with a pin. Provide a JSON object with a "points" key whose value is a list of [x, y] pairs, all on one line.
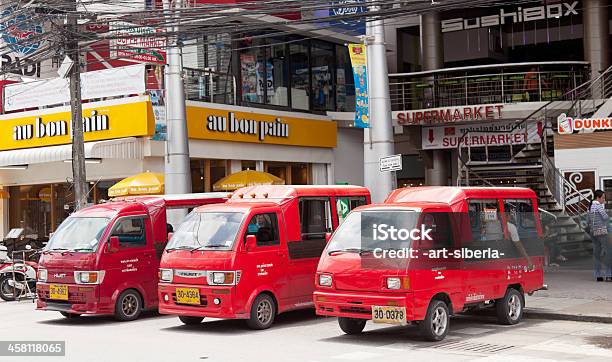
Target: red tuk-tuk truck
{"points": [[482, 248], [254, 256], [104, 259]]}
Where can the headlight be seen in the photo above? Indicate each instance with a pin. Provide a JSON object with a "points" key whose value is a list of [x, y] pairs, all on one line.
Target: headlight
{"points": [[394, 283], [325, 280], [42, 275], [166, 275], [221, 278], [88, 277]]}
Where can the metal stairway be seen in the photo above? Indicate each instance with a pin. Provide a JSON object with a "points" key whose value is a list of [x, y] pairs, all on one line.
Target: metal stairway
{"points": [[532, 165]]}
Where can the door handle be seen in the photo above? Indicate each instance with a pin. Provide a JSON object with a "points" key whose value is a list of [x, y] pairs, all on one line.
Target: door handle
{"points": [[441, 268]]}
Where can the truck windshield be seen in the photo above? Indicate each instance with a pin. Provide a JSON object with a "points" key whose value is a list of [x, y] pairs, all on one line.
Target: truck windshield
{"points": [[365, 231], [207, 230], [80, 234]]}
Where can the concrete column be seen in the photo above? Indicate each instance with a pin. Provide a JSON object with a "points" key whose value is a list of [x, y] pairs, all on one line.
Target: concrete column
{"points": [[320, 174], [596, 35], [432, 44], [436, 173], [259, 166]]}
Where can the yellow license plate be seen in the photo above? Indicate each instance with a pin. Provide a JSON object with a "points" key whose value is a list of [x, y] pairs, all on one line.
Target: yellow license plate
{"points": [[389, 315], [188, 296], [58, 292]]}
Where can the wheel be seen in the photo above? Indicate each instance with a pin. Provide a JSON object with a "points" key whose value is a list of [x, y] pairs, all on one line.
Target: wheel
{"points": [[191, 321], [70, 315], [263, 312], [437, 320], [351, 325], [7, 292], [128, 306], [510, 307]]}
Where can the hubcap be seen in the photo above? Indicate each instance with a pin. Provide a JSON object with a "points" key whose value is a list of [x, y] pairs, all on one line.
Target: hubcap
{"points": [[514, 307], [264, 311], [129, 305], [439, 321]]}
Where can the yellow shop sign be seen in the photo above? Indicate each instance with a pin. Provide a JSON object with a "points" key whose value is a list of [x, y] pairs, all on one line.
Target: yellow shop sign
{"points": [[100, 122], [242, 126]]}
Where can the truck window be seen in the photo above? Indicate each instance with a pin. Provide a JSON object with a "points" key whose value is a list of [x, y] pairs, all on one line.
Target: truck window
{"points": [[522, 216], [439, 223], [315, 218], [265, 229], [344, 205], [131, 232], [485, 220]]}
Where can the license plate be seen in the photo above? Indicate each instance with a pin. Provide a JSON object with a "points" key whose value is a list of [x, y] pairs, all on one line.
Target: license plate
{"points": [[58, 292], [389, 315], [188, 296]]}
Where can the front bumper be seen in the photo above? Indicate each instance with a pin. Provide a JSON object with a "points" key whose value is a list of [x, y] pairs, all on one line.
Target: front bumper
{"points": [[359, 304], [225, 296], [82, 299]]}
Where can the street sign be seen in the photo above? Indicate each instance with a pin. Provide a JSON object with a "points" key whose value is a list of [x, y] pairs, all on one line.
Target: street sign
{"points": [[391, 163]]}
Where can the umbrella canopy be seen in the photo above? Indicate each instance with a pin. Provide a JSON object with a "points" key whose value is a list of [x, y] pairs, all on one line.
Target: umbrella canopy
{"points": [[142, 184], [246, 178]]}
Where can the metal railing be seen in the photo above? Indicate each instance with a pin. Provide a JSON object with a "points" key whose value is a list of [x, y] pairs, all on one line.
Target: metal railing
{"points": [[208, 86], [487, 84]]}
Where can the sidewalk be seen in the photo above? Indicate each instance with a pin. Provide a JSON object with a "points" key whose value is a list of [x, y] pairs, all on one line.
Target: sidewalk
{"points": [[571, 295]]}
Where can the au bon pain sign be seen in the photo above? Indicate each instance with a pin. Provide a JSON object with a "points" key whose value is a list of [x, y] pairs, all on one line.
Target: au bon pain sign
{"points": [[238, 125], [99, 123]]}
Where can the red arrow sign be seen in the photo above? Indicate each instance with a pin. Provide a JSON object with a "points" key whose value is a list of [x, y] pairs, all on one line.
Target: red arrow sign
{"points": [[431, 136]]}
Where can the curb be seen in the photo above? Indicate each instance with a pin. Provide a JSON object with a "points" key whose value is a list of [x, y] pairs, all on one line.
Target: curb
{"points": [[535, 314]]}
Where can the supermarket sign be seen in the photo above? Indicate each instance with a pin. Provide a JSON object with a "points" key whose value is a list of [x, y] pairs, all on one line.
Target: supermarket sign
{"points": [[137, 43], [484, 134], [569, 125]]}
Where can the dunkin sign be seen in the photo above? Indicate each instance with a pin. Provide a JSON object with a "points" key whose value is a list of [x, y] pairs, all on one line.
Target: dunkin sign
{"points": [[569, 125]]}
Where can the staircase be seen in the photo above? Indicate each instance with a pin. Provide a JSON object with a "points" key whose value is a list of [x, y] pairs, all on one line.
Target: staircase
{"points": [[532, 165]]}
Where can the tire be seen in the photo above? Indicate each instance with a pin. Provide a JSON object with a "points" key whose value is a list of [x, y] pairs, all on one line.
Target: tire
{"points": [[263, 312], [437, 321], [70, 315], [351, 325], [128, 306], [191, 321], [7, 293], [510, 307]]}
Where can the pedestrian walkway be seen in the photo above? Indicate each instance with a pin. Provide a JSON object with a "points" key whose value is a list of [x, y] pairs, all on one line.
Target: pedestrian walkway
{"points": [[572, 295]]}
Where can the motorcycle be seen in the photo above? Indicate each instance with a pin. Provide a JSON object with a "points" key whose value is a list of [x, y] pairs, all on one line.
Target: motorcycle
{"points": [[18, 277]]}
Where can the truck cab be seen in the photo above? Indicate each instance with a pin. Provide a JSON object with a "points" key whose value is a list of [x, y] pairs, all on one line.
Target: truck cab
{"points": [[104, 259], [254, 256], [430, 252]]}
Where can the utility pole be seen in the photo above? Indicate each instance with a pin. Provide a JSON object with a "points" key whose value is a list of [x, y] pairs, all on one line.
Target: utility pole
{"points": [[78, 148], [177, 169], [378, 139]]}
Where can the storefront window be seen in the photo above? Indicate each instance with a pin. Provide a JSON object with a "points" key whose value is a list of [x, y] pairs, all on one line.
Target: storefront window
{"points": [[249, 165], [253, 72], [277, 74], [299, 174], [217, 170], [345, 89], [198, 183], [300, 76], [322, 79]]}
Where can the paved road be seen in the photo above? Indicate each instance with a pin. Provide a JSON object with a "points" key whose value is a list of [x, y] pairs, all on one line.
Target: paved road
{"points": [[300, 336]]}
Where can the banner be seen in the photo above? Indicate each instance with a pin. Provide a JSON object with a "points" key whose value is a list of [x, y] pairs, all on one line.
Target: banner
{"points": [[137, 43], [99, 84], [484, 134], [362, 107]]}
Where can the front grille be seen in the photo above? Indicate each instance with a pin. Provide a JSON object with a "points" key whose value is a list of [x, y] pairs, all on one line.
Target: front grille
{"points": [[357, 310], [203, 301]]}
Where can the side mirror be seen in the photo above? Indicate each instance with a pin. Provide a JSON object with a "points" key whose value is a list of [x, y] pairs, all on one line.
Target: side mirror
{"points": [[327, 237], [251, 242], [170, 236], [113, 245]]}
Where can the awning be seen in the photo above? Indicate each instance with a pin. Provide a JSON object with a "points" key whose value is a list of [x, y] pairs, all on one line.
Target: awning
{"points": [[123, 148]]}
